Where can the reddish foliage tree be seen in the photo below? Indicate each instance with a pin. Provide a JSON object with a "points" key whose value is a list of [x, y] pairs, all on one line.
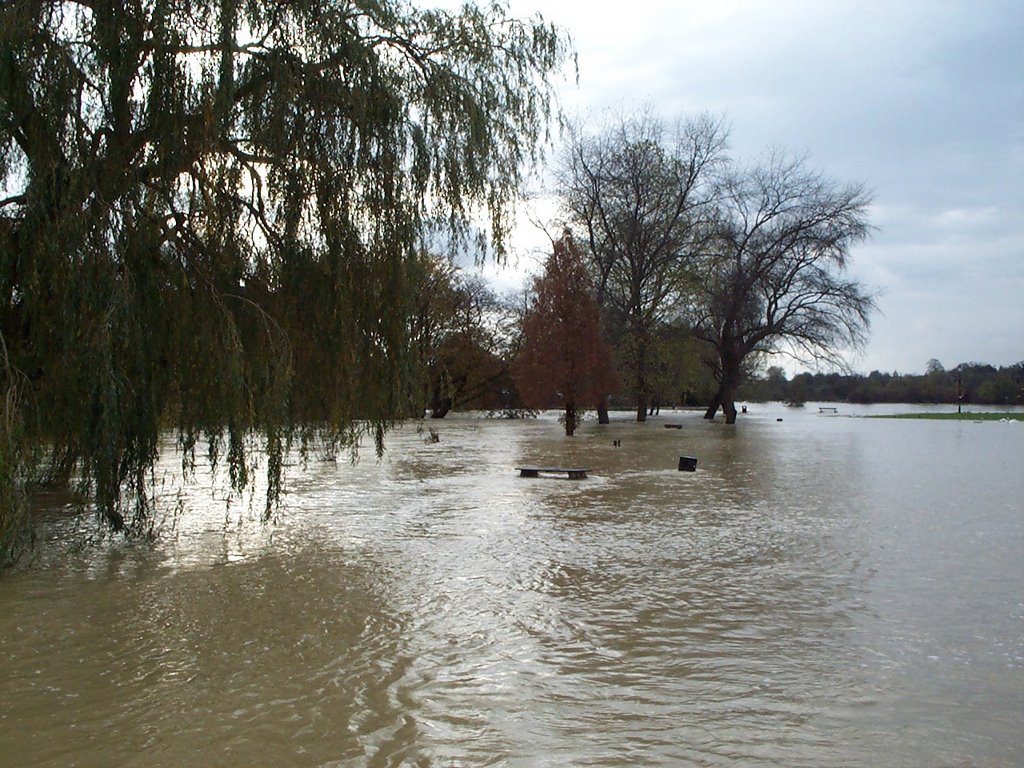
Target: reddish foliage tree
{"points": [[564, 360]]}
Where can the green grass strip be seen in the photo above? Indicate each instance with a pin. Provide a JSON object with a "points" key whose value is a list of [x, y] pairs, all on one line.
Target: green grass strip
{"points": [[965, 416]]}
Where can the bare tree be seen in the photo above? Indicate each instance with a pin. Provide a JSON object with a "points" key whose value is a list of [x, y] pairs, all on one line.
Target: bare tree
{"points": [[772, 280], [637, 191]]}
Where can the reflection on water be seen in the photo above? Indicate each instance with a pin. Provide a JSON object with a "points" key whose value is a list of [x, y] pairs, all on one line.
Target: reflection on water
{"points": [[821, 592]]}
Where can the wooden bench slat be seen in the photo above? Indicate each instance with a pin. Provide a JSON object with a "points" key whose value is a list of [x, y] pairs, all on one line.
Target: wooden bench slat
{"points": [[573, 473]]}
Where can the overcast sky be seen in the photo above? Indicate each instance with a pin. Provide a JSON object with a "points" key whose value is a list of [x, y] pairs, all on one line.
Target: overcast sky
{"points": [[920, 100]]}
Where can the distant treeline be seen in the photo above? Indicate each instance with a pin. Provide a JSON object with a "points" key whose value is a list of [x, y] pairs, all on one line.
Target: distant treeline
{"points": [[968, 383]]}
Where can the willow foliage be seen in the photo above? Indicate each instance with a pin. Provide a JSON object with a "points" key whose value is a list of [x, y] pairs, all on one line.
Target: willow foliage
{"points": [[208, 212]]}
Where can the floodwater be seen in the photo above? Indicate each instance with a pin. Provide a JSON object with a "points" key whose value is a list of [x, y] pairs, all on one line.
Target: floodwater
{"points": [[822, 591]]}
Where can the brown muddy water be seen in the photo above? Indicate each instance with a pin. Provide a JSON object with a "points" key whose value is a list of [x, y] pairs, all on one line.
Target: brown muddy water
{"points": [[822, 591]]}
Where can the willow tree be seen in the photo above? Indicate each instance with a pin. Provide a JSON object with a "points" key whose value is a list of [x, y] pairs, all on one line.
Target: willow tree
{"points": [[773, 278], [208, 208], [637, 188]]}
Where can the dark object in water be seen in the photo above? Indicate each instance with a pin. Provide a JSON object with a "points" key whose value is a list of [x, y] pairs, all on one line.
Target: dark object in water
{"points": [[687, 464], [572, 473]]}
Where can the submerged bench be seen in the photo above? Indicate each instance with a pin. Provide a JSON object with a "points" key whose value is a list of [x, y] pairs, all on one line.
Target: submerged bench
{"points": [[573, 473]]}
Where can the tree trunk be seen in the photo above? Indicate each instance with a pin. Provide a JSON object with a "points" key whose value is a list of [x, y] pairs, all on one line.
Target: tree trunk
{"points": [[716, 401], [729, 378], [728, 385], [642, 385], [725, 398], [570, 419], [729, 406], [440, 408], [602, 410]]}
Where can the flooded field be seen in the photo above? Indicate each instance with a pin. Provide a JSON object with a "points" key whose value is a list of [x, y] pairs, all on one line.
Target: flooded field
{"points": [[824, 590]]}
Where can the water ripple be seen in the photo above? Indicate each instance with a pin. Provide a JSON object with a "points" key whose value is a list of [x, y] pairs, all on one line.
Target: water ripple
{"points": [[821, 592]]}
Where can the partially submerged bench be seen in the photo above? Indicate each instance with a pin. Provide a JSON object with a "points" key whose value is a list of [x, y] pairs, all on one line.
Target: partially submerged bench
{"points": [[572, 473], [828, 409]]}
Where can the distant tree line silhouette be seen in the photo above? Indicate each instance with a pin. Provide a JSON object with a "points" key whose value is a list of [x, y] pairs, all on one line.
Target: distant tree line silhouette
{"points": [[968, 383]]}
